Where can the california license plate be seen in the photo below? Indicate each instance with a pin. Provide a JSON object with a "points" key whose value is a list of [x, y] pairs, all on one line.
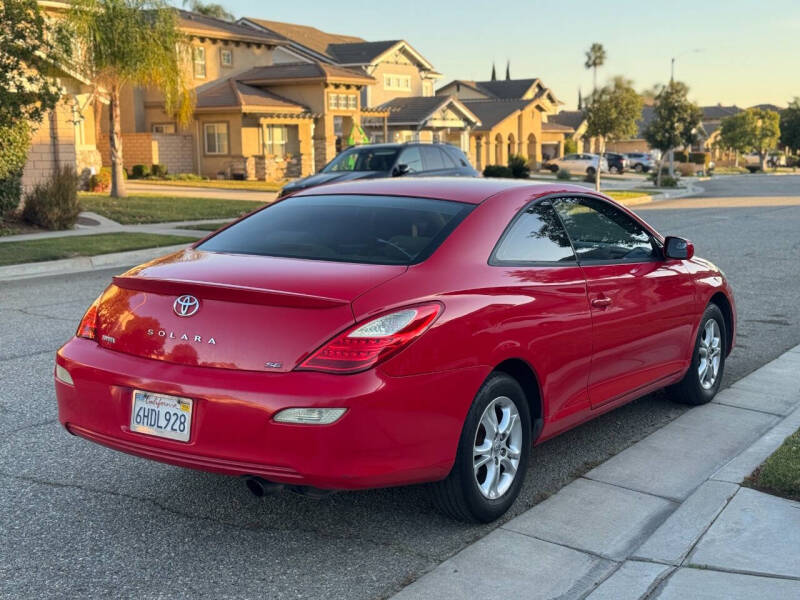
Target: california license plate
{"points": [[161, 415]]}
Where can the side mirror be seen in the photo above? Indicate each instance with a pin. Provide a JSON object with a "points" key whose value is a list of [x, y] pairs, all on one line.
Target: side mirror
{"points": [[679, 248], [400, 170]]}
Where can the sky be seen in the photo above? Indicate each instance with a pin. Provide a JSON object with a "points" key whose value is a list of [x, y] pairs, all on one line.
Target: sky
{"points": [[730, 52]]}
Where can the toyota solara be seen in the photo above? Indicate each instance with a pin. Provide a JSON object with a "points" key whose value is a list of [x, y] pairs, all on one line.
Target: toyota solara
{"points": [[395, 332]]}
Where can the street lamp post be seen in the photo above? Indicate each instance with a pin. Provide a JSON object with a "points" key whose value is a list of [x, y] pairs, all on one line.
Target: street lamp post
{"points": [[671, 79]]}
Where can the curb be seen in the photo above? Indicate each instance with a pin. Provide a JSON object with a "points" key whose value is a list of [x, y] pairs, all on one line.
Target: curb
{"points": [[84, 263]]}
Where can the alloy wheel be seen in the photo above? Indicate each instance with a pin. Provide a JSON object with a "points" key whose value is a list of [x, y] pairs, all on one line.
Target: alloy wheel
{"points": [[497, 447], [710, 351]]}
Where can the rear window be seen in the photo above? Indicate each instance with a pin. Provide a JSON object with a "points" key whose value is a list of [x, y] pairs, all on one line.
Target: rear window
{"points": [[387, 230]]}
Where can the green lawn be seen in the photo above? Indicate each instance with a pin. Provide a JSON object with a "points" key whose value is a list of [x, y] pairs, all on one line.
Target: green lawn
{"points": [[12, 253], [155, 208], [220, 184], [780, 473], [206, 226], [623, 195]]}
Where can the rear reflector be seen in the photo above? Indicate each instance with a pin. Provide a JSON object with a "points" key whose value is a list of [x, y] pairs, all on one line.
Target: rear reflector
{"points": [[366, 344], [309, 416], [63, 375]]}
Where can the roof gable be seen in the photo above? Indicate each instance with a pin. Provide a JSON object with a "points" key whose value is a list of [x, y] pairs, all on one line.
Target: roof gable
{"points": [[310, 71], [419, 109], [493, 112], [315, 40], [235, 94]]}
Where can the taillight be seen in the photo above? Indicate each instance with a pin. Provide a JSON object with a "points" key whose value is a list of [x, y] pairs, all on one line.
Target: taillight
{"points": [[366, 344], [88, 326]]}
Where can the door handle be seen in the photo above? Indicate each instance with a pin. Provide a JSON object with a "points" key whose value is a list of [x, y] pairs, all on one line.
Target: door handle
{"points": [[602, 302]]}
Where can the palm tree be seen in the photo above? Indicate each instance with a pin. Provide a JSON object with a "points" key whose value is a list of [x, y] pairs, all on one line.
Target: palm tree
{"points": [[210, 10], [132, 43], [595, 57]]}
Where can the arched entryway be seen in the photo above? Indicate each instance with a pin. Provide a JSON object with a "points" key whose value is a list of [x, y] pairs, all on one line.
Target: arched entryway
{"points": [[511, 145], [479, 153], [498, 149]]}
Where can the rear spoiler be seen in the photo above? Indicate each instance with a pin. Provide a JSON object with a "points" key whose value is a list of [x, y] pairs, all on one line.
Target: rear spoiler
{"points": [[226, 292]]}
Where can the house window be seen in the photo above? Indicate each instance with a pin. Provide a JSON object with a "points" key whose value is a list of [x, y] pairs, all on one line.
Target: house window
{"points": [[342, 101], [352, 103], [163, 128], [275, 140], [397, 82], [333, 101], [226, 57], [199, 59], [216, 136]]}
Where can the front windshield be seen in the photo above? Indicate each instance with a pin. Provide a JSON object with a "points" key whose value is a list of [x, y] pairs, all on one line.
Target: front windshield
{"points": [[363, 159]]}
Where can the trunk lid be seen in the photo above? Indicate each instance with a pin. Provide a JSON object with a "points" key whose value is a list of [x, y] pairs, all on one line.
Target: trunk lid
{"points": [[237, 312]]}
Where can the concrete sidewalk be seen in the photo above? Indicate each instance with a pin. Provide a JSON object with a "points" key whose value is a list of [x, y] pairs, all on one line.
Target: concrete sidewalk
{"points": [[667, 518]]}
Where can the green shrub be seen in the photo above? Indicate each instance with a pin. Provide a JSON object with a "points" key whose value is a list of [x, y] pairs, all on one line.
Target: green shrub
{"points": [[158, 170], [14, 143], [498, 171], [54, 204], [668, 182], [563, 174], [570, 146], [10, 193], [519, 166], [793, 161], [139, 171]]}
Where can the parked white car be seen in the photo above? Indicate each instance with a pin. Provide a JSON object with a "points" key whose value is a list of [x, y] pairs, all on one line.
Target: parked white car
{"points": [[641, 162], [578, 163]]}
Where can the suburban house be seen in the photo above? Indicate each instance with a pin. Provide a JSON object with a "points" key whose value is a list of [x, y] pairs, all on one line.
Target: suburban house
{"points": [[262, 110], [400, 103], [576, 121], [514, 119], [68, 135]]}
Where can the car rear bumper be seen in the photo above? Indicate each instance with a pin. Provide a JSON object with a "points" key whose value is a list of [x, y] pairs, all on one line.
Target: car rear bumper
{"points": [[396, 431]]}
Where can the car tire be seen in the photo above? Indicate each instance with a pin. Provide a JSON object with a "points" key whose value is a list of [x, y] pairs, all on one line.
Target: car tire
{"points": [[553, 168], [639, 168], [472, 494], [590, 172], [702, 381]]}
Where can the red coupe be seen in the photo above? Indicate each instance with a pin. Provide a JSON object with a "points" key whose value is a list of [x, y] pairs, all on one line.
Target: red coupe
{"points": [[394, 332]]}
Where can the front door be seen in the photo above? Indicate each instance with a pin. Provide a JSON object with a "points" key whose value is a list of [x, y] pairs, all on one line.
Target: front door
{"points": [[642, 304]]}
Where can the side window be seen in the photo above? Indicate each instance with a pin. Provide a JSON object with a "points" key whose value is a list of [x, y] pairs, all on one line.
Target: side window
{"points": [[449, 163], [601, 232], [412, 158], [432, 158], [571, 157], [536, 235]]}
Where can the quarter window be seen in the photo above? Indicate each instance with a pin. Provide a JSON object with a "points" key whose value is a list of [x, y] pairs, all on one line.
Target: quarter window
{"points": [[199, 59], [216, 137], [412, 158], [226, 57], [535, 236], [432, 158], [600, 232]]}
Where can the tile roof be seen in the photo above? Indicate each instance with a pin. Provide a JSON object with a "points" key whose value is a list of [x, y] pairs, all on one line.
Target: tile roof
{"points": [[359, 52], [718, 111], [217, 28], [310, 37], [303, 70], [417, 109], [492, 112], [557, 127], [570, 118], [768, 106], [235, 94], [506, 89]]}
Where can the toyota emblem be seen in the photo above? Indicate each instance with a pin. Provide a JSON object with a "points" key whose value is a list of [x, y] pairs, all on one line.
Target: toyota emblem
{"points": [[186, 305]]}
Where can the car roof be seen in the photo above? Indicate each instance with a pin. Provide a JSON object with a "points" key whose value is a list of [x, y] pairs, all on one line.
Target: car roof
{"points": [[472, 190]]}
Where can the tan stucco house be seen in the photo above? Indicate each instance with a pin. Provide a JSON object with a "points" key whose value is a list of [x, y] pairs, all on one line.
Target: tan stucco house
{"points": [[514, 118]]}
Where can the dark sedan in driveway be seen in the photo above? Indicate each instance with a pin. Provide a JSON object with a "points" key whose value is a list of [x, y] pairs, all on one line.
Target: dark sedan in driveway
{"points": [[393, 332], [375, 161]]}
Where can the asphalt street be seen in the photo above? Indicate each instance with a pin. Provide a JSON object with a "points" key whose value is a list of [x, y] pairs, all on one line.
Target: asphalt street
{"points": [[78, 520]]}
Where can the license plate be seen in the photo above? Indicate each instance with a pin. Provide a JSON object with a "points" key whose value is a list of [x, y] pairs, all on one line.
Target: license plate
{"points": [[160, 415]]}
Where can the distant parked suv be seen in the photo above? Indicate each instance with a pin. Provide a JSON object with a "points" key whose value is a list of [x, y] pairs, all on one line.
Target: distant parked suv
{"points": [[578, 164], [641, 162], [373, 161], [617, 163]]}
